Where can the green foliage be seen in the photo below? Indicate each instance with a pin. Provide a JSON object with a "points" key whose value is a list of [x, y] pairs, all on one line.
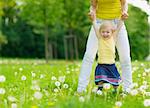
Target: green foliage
{"points": [[3, 39], [26, 23], [40, 78], [138, 31]]}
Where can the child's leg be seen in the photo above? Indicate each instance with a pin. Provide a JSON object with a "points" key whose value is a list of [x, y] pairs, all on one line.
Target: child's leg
{"points": [[100, 85]]}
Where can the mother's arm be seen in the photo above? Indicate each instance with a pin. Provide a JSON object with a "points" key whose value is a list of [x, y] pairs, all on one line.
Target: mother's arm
{"points": [[92, 13], [124, 8]]}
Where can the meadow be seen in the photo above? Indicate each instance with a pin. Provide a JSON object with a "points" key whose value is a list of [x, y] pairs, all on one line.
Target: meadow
{"points": [[30, 83]]}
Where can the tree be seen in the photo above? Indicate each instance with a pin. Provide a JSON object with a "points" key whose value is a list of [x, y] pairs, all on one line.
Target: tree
{"points": [[42, 14]]}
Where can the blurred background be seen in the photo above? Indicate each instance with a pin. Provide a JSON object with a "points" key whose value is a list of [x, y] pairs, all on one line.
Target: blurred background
{"points": [[58, 29]]}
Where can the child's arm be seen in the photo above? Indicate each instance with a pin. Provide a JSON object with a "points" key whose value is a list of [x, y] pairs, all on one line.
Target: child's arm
{"points": [[124, 8], [92, 13], [96, 30], [119, 25]]}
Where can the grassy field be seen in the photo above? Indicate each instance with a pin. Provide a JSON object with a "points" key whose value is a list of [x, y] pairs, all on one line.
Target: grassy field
{"points": [[34, 84]]}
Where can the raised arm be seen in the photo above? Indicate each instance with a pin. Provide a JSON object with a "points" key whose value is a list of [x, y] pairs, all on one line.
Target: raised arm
{"points": [[119, 25], [96, 30], [124, 9], [92, 13]]}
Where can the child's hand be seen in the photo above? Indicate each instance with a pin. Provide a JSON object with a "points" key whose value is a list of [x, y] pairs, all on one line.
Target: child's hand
{"points": [[92, 14], [124, 15]]}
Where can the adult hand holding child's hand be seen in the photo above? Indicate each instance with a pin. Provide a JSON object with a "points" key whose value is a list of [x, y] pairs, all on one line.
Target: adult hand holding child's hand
{"points": [[92, 14]]}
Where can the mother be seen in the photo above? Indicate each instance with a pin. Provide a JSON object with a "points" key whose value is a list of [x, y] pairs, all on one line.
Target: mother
{"points": [[111, 10]]}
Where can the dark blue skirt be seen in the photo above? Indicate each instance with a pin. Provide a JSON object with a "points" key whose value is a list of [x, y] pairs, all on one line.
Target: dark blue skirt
{"points": [[107, 73]]}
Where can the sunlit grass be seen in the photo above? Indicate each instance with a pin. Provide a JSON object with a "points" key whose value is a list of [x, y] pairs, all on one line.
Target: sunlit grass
{"points": [[34, 84]]}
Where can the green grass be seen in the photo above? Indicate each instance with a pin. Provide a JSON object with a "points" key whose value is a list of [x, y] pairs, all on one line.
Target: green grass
{"points": [[39, 79]]}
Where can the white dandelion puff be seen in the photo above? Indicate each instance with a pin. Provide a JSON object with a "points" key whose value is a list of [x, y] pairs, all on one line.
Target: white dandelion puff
{"points": [[142, 64], [12, 99], [144, 74], [2, 78], [36, 87], [23, 78], [134, 92], [139, 75], [42, 76], [99, 92], [81, 99], [13, 105], [33, 74], [144, 82], [147, 93], [94, 90], [56, 90], [106, 86], [16, 73], [128, 90], [62, 79], [147, 102], [2, 91], [118, 103], [65, 86], [38, 95], [20, 69], [53, 78], [57, 83]]}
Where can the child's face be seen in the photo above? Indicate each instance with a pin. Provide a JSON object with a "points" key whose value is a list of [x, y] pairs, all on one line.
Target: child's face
{"points": [[106, 32]]}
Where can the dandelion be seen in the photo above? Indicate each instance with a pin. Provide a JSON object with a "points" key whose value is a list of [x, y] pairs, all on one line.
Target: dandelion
{"points": [[55, 90], [23, 78], [38, 95], [81, 99], [2, 91], [34, 82], [20, 69], [142, 87], [2, 78], [134, 85], [53, 78], [15, 73], [147, 102], [147, 70], [33, 74], [147, 93], [123, 95], [139, 75], [118, 104], [142, 64], [12, 99], [106, 86], [134, 92], [144, 74], [145, 82], [35, 87], [13, 105], [65, 86], [57, 83], [68, 71], [128, 90], [99, 92], [94, 90], [41, 76], [62, 79]]}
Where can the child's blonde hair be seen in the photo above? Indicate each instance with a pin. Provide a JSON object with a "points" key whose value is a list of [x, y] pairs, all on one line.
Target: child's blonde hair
{"points": [[107, 24]]}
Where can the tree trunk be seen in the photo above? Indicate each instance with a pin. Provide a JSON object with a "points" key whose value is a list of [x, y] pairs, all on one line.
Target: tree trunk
{"points": [[46, 43], [46, 34]]}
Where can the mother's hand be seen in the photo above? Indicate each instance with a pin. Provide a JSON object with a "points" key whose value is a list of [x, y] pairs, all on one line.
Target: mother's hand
{"points": [[92, 15], [124, 16]]}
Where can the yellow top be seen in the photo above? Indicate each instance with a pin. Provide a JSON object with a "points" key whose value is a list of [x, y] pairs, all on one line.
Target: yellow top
{"points": [[106, 51], [108, 9]]}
